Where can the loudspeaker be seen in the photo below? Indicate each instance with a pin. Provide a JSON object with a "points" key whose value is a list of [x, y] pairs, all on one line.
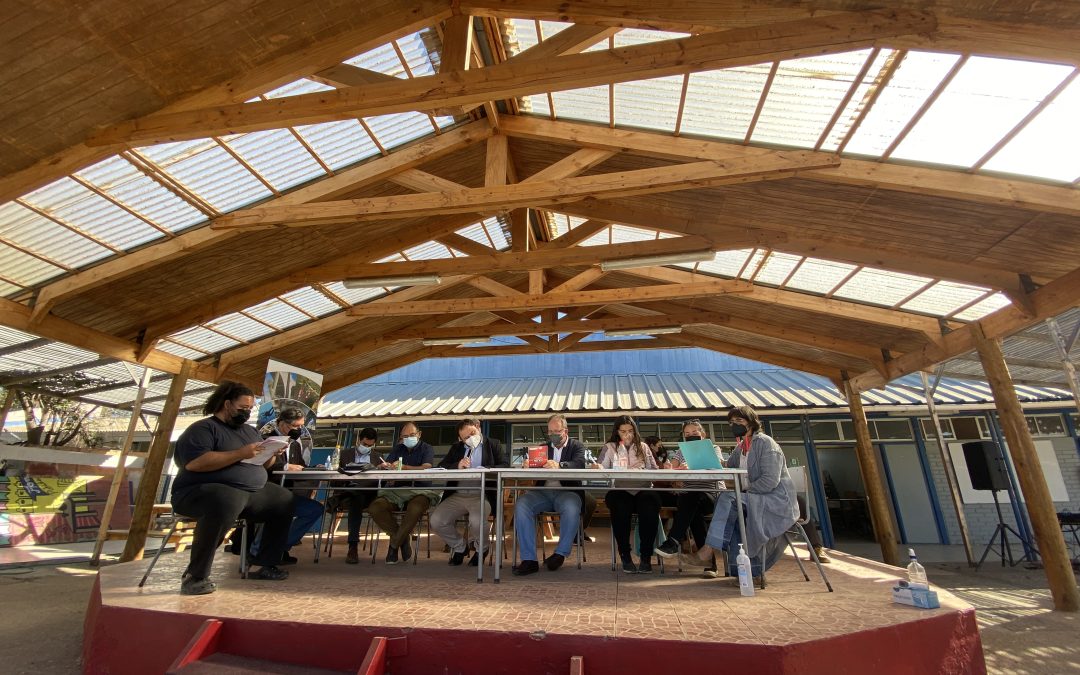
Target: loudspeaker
{"points": [[985, 465]]}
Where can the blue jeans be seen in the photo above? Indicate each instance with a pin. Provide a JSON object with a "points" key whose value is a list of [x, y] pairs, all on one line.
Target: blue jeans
{"points": [[533, 502], [305, 514]]}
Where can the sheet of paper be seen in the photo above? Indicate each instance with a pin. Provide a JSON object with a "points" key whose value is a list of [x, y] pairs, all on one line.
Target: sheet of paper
{"points": [[268, 449]]}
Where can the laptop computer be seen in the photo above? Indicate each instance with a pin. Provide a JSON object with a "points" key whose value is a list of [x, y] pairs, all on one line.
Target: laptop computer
{"points": [[699, 455]]}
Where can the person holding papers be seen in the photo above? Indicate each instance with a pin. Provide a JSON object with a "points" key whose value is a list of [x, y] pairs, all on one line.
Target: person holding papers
{"points": [[769, 496], [218, 483], [411, 453], [563, 453], [692, 505], [472, 451], [307, 511], [625, 450]]}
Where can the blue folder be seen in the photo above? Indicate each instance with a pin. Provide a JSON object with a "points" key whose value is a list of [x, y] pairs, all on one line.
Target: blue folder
{"points": [[699, 455]]}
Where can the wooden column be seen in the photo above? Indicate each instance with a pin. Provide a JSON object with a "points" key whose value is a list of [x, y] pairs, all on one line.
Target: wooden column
{"points": [[154, 463], [950, 470], [880, 514], [1040, 507]]}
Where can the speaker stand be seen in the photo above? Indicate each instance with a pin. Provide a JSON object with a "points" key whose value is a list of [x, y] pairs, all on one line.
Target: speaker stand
{"points": [[1000, 537]]}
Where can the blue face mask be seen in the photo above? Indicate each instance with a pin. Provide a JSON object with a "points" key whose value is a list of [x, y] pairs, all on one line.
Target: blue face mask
{"points": [[410, 441]]}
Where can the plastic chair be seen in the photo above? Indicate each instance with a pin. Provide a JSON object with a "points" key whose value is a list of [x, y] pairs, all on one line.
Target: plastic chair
{"points": [[177, 519], [798, 478]]}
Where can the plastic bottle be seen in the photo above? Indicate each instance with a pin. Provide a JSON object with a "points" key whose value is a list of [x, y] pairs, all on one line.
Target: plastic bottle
{"points": [[916, 573], [746, 575], [334, 460], [399, 464]]}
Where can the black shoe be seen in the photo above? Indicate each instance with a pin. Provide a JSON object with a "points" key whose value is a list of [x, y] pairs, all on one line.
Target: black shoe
{"points": [[475, 559], [406, 551], [287, 559], [191, 586], [587, 537], [554, 561], [644, 567], [457, 558], [391, 556], [525, 567], [669, 549], [270, 573], [628, 565]]}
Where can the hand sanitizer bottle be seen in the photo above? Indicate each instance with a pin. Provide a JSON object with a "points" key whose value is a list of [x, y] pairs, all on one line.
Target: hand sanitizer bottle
{"points": [[746, 576], [916, 573]]}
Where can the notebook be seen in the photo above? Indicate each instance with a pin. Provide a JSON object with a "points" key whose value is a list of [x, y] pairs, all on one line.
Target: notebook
{"points": [[699, 455], [538, 457]]}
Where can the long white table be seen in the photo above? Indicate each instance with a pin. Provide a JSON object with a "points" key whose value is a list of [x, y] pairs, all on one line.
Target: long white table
{"points": [[611, 478], [377, 479]]}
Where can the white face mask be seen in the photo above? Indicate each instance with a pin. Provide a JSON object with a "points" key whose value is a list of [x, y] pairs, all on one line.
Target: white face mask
{"points": [[472, 441]]}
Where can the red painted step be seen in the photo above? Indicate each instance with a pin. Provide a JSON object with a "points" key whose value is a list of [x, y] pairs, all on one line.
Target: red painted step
{"points": [[231, 664]]}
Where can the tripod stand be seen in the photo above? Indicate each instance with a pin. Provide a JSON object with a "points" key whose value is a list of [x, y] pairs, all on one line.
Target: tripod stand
{"points": [[1001, 538]]}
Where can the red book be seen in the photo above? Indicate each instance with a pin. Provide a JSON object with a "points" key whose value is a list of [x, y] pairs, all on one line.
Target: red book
{"points": [[538, 457]]}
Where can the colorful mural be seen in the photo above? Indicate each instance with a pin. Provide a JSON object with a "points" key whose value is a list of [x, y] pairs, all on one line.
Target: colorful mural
{"points": [[57, 504]]}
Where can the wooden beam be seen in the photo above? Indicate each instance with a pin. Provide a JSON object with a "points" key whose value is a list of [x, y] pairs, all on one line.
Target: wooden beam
{"points": [[580, 281], [333, 186], [1050, 300], [740, 47], [536, 282], [554, 300], [777, 164], [572, 165], [572, 40], [876, 492], [578, 234], [457, 43], [496, 161], [496, 289], [1029, 472], [152, 467], [513, 261], [422, 181], [587, 347], [691, 339], [17, 316], [376, 23], [953, 184], [543, 328]]}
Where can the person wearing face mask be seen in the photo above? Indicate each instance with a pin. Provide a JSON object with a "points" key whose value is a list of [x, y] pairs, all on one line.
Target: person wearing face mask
{"points": [[355, 501], [692, 505], [563, 453], [215, 487], [769, 499], [413, 454], [472, 451], [626, 450]]}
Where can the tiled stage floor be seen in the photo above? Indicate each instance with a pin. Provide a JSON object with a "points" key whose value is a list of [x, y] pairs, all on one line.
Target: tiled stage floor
{"points": [[591, 601]]}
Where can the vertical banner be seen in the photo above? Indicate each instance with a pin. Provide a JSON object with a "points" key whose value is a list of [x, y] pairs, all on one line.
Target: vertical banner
{"points": [[286, 386]]}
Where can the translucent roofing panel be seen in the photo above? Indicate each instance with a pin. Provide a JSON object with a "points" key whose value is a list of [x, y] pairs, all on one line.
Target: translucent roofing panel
{"points": [[416, 55], [858, 99], [240, 326], [430, 250], [638, 36], [497, 230], [982, 308], [721, 103], [549, 28], [23, 268], [589, 104], [880, 287], [477, 233], [819, 276], [562, 223], [621, 234], [354, 295], [74, 204], [123, 182], [167, 154], [312, 301], [1049, 147], [295, 88], [726, 263], [277, 313], [393, 130], [339, 143], [277, 156], [179, 350], [804, 95], [652, 104], [751, 265], [202, 339], [983, 102], [777, 268], [219, 179], [7, 289], [943, 297], [912, 83], [26, 229], [382, 59], [601, 238]]}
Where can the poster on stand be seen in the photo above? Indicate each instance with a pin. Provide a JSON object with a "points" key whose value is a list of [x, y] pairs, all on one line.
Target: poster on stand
{"points": [[287, 386]]}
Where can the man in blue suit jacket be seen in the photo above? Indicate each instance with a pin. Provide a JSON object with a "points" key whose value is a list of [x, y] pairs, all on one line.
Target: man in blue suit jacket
{"points": [[563, 453]]}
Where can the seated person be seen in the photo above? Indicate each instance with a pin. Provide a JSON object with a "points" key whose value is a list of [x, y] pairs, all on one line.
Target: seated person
{"points": [[770, 504], [306, 511], [563, 453], [414, 454], [354, 501], [692, 505], [215, 487], [626, 450], [472, 451]]}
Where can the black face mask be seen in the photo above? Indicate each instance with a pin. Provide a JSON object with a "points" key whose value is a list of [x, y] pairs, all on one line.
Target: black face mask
{"points": [[738, 430], [240, 417], [295, 433], [693, 437]]}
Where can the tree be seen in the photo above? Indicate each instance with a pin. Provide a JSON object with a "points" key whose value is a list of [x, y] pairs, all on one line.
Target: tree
{"points": [[52, 419]]}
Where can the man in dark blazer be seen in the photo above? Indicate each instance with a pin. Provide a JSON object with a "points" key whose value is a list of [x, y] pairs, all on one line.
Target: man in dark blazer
{"points": [[563, 453], [472, 451]]}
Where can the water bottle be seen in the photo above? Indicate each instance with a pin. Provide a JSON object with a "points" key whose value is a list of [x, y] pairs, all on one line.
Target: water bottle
{"points": [[746, 575], [916, 573], [334, 460], [399, 464]]}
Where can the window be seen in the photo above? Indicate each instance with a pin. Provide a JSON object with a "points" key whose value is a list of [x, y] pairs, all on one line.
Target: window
{"points": [[968, 428], [325, 438], [530, 434], [826, 430], [886, 430], [1046, 425], [946, 429], [786, 431]]}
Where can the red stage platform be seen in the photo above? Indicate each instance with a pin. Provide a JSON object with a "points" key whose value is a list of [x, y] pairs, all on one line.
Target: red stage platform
{"points": [[326, 615]]}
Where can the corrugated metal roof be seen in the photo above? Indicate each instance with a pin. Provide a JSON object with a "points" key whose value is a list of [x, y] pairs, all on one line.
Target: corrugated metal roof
{"points": [[639, 393]]}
